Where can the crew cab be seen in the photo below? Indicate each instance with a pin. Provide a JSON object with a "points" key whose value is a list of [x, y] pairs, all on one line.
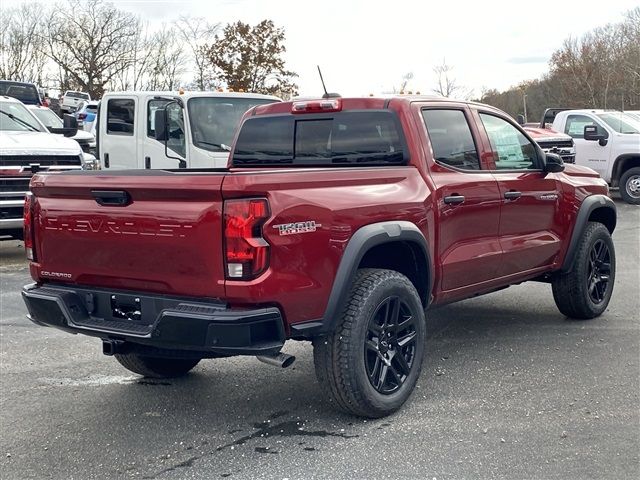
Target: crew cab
{"points": [[200, 128], [337, 220], [607, 141], [26, 147]]}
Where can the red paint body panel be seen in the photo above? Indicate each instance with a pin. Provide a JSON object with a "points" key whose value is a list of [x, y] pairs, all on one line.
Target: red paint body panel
{"points": [[169, 238]]}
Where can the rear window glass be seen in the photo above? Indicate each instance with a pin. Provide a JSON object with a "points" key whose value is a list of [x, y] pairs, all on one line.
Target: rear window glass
{"points": [[84, 96], [357, 138], [26, 93]]}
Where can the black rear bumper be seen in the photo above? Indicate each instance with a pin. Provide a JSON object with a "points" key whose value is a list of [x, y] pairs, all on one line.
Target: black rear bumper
{"points": [[156, 321]]}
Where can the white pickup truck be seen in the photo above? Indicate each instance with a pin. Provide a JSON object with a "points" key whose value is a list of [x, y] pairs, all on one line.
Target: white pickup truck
{"points": [[197, 128], [27, 147], [606, 141]]}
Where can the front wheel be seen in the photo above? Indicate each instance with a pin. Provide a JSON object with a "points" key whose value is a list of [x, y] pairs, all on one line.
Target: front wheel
{"points": [[156, 367], [585, 291], [371, 362], [630, 186]]}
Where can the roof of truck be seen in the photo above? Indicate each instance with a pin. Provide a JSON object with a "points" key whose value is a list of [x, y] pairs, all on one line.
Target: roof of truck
{"points": [[189, 94]]}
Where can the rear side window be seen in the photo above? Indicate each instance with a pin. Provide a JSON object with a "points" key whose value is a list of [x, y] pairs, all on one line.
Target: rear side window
{"points": [[352, 138], [120, 116], [451, 139]]}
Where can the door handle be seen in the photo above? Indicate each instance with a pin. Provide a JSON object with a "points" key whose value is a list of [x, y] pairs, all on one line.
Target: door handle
{"points": [[512, 195], [454, 199], [113, 198], [147, 162], [106, 160]]}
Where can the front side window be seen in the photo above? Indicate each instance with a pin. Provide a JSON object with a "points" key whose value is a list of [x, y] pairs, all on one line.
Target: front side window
{"points": [[512, 150], [46, 116], [120, 116], [214, 120], [152, 106], [175, 119], [576, 123], [451, 139]]}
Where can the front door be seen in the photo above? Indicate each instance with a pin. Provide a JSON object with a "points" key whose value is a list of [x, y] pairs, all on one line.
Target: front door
{"points": [[531, 229], [118, 139], [588, 153], [468, 202]]}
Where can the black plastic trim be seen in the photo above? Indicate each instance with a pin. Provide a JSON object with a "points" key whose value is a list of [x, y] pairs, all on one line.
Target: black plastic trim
{"points": [[166, 322], [589, 204], [362, 241]]}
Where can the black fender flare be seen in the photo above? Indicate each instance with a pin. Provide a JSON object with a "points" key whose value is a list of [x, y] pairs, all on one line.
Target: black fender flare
{"points": [[362, 241], [587, 207]]}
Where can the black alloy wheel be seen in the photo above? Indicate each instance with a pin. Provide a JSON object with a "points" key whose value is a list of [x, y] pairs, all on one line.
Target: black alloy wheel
{"points": [[599, 271], [390, 345]]}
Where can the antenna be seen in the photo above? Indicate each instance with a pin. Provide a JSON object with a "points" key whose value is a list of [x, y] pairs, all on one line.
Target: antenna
{"points": [[326, 94]]}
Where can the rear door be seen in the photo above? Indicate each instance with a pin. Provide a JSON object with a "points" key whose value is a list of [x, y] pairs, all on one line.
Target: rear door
{"points": [[531, 228], [468, 200], [154, 231], [118, 133]]}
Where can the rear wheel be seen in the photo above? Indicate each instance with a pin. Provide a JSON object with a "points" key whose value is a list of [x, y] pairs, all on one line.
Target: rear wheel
{"points": [[370, 364], [156, 367], [630, 186], [585, 291]]}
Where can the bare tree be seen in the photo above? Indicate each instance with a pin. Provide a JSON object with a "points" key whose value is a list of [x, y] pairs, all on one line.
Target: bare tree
{"points": [[167, 61], [197, 33], [21, 46], [92, 42], [447, 85]]}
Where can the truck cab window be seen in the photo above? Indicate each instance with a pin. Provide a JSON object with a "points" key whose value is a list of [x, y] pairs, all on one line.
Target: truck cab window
{"points": [[120, 116], [176, 141], [576, 123], [451, 139], [512, 150], [152, 106]]}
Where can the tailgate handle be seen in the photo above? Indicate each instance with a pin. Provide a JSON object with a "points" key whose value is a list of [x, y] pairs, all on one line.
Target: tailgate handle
{"points": [[113, 198]]}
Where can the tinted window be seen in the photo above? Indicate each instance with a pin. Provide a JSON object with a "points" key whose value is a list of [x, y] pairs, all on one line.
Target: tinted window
{"points": [[451, 138], [120, 116], [214, 120], [152, 106], [25, 92], [576, 123], [346, 138], [512, 150]]}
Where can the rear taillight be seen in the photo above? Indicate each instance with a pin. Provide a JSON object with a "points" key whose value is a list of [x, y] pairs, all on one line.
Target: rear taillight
{"points": [[82, 116], [28, 227], [246, 251]]}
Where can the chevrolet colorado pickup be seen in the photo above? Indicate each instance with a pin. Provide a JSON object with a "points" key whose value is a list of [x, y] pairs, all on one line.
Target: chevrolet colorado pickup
{"points": [[339, 220]]}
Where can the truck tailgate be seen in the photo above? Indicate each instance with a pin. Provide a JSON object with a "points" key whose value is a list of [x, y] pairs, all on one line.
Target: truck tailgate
{"points": [[166, 236]]}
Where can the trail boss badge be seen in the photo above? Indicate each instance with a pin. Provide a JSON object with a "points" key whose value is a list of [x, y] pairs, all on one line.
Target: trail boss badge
{"points": [[297, 227]]}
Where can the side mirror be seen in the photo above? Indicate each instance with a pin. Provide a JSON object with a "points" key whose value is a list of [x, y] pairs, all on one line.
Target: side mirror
{"points": [[160, 123], [553, 163], [69, 126], [592, 134], [521, 120]]}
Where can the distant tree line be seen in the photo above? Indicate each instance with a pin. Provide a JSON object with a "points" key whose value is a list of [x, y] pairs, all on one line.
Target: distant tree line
{"points": [[601, 69], [92, 46]]}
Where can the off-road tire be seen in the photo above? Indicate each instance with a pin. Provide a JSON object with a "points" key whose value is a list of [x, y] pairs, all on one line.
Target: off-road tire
{"points": [[628, 193], [156, 367], [571, 290], [340, 357]]}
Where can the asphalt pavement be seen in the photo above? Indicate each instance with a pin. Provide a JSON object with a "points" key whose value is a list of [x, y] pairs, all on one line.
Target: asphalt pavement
{"points": [[510, 389]]}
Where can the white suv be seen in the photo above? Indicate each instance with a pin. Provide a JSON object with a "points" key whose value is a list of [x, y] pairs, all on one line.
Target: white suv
{"points": [[71, 100]]}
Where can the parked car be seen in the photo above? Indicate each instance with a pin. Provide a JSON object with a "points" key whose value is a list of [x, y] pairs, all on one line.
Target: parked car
{"points": [[27, 147], [71, 100], [338, 220], [607, 141], [52, 122], [86, 114], [201, 128], [553, 142], [26, 92]]}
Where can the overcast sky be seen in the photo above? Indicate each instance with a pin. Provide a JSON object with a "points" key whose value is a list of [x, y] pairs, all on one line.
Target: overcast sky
{"points": [[367, 46]]}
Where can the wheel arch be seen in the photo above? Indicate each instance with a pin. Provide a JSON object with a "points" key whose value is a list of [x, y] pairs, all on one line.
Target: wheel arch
{"points": [[622, 164], [395, 245], [595, 208]]}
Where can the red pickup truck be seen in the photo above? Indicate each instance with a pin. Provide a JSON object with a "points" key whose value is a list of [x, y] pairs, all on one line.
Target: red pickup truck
{"points": [[338, 220]]}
